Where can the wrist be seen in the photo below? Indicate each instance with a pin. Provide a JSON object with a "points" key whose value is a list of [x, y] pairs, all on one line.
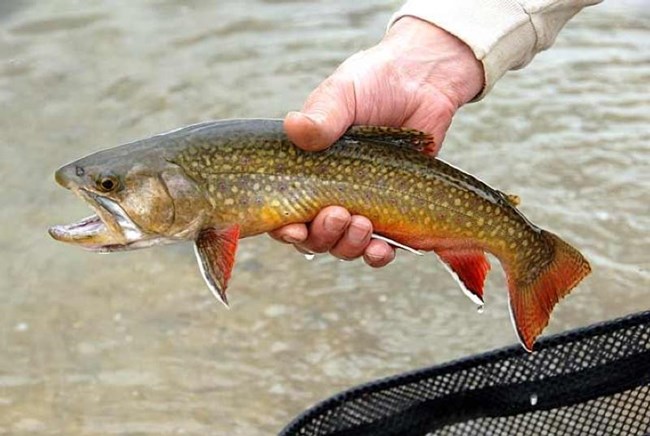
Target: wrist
{"points": [[434, 57]]}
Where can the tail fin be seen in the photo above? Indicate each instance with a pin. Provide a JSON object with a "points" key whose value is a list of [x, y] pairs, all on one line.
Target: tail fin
{"points": [[534, 291]]}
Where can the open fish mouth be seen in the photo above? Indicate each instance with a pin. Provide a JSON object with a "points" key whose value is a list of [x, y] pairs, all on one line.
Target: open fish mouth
{"points": [[109, 229]]}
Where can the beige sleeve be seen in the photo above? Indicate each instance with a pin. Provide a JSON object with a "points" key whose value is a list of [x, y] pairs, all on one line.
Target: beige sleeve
{"points": [[503, 34]]}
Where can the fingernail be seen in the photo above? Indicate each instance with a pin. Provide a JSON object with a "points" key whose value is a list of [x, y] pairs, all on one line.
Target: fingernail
{"points": [[357, 234], [297, 114], [334, 223], [313, 118], [290, 239], [375, 256], [294, 114]]}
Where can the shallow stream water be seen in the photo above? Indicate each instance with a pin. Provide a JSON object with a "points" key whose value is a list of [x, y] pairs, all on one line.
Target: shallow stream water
{"points": [[134, 343]]}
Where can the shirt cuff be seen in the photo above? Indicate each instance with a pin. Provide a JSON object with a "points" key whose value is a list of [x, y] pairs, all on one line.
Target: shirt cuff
{"points": [[499, 32]]}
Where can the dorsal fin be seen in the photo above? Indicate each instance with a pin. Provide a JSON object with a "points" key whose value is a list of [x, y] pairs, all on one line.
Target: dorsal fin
{"points": [[397, 136]]}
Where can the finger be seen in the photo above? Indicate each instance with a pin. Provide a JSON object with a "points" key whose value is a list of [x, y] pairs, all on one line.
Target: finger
{"points": [[378, 253], [290, 234], [355, 239], [326, 115], [326, 229]]}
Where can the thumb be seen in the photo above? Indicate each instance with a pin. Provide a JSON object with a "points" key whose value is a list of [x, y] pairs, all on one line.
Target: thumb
{"points": [[326, 115]]}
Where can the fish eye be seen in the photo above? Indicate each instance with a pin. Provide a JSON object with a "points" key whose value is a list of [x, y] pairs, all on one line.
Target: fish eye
{"points": [[107, 183]]}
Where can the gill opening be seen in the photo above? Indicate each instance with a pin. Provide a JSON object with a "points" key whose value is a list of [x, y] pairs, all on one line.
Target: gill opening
{"points": [[166, 189]]}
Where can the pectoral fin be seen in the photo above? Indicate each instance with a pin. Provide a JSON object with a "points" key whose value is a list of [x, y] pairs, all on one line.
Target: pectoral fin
{"points": [[396, 244], [470, 267], [215, 252]]}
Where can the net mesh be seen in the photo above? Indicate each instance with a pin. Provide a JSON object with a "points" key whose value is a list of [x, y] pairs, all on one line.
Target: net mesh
{"points": [[591, 381]]}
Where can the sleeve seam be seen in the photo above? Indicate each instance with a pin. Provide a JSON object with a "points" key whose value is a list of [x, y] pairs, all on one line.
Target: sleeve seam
{"points": [[532, 23]]}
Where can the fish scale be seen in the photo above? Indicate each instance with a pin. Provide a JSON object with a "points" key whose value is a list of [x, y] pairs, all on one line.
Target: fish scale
{"points": [[401, 199], [226, 180]]}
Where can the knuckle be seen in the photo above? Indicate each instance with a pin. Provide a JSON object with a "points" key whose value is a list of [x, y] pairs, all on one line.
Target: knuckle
{"points": [[345, 252]]}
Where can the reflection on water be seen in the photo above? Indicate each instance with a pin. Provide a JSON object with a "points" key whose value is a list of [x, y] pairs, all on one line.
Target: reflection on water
{"points": [[135, 343]]}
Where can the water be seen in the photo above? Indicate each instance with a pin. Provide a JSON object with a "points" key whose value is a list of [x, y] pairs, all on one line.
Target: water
{"points": [[533, 399], [134, 342]]}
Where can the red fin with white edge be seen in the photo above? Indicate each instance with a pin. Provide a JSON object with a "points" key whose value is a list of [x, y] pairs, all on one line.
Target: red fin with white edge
{"points": [[215, 251], [469, 266]]}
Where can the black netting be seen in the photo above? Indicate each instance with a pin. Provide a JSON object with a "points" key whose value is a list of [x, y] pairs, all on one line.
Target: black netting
{"points": [[592, 381]]}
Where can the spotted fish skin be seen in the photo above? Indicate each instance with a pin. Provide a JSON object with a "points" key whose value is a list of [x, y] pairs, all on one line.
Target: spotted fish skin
{"points": [[252, 179], [252, 175]]}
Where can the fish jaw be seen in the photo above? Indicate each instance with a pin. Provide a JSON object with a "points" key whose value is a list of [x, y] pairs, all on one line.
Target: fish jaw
{"points": [[109, 229]]}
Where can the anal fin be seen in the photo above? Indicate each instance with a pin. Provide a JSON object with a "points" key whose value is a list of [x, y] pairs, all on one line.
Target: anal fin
{"points": [[470, 267], [215, 252]]}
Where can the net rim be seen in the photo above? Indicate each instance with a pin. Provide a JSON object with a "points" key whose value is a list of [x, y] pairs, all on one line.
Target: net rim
{"points": [[463, 363]]}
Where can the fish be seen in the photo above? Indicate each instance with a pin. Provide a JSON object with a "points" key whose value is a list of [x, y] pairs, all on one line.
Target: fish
{"points": [[216, 182]]}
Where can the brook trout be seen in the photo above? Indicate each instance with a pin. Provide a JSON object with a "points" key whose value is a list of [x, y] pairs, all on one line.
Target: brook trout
{"points": [[216, 182]]}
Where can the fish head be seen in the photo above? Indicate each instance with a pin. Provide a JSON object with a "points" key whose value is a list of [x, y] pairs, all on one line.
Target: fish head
{"points": [[138, 197]]}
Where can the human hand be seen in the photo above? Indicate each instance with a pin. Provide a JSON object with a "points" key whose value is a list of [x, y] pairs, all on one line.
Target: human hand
{"points": [[417, 76]]}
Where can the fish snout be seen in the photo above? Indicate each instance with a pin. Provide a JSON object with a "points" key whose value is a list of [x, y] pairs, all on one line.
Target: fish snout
{"points": [[67, 175]]}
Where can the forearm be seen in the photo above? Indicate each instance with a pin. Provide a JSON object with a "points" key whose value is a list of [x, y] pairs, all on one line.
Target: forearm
{"points": [[503, 34]]}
